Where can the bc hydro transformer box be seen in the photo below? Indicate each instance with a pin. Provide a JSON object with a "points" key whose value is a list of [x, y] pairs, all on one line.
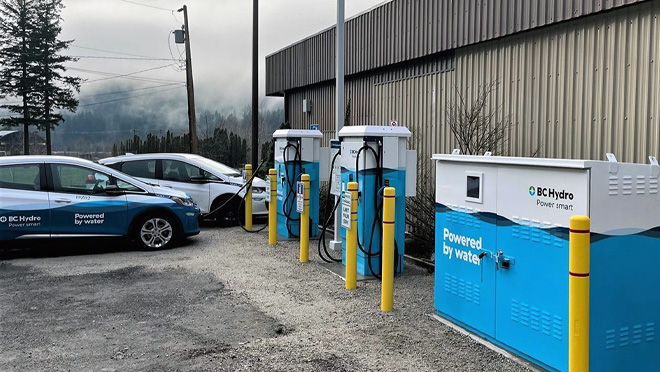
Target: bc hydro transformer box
{"points": [[502, 255]]}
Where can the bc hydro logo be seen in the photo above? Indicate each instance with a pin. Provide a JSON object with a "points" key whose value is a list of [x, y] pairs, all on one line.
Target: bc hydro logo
{"points": [[3, 219], [552, 193]]}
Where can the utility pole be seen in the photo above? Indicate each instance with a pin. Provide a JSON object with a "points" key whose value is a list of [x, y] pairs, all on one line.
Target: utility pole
{"points": [[47, 113], [192, 120], [255, 85], [335, 244]]}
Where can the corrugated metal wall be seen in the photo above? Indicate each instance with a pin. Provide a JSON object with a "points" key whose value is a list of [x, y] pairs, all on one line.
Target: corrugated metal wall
{"points": [[575, 90], [360, 93], [402, 30]]}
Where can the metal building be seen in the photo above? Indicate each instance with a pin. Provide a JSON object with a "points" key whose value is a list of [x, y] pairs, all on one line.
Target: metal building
{"points": [[577, 78]]}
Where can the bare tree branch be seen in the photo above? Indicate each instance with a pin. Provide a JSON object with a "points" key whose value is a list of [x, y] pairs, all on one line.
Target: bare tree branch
{"points": [[476, 126]]}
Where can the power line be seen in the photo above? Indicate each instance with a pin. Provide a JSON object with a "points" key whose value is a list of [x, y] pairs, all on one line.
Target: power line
{"points": [[127, 58], [145, 131], [114, 76], [135, 78], [182, 83], [110, 51], [106, 73], [125, 76], [138, 78], [131, 97], [130, 90], [110, 93], [176, 19], [103, 131], [146, 5]]}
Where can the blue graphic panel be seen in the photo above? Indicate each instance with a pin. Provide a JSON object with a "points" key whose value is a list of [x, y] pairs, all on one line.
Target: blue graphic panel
{"points": [[89, 215], [625, 303], [464, 283], [288, 219], [525, 308], [23, 212], [370, 219], [532, 295]]}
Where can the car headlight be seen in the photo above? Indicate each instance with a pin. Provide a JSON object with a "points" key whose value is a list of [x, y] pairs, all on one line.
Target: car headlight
{"points": [[259, 190], [187, 202]]}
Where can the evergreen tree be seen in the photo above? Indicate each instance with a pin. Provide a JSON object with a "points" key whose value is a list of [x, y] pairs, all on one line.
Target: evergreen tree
{"points": [[56, 91], [18, 64]]}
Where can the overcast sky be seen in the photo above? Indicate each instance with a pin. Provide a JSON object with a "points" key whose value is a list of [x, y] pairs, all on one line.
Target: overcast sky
{"points": [[220, 33]]}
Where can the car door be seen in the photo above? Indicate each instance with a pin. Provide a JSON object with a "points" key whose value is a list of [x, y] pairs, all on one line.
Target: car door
{"points": [[177, 175], [79, 204], [24, 207]]}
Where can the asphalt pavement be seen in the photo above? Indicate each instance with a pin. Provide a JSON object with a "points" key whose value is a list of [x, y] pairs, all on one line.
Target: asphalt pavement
{"points": [[221, 301]]}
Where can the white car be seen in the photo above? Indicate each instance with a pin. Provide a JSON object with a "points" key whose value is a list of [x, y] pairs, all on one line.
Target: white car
{"points": [[209, 183]]}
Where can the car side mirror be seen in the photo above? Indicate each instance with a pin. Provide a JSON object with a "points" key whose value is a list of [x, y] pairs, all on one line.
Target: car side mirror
{"points": [[199, 179], [114, 190]]}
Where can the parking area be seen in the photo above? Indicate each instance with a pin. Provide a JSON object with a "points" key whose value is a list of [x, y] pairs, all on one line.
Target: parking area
{"points": [[224, 300]]}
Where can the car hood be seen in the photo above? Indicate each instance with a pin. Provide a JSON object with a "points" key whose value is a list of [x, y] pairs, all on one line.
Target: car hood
{"points": [[256, 182], [168, 192]]}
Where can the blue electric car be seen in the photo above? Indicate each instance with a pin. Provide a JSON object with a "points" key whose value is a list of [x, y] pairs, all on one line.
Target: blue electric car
{"points": [[58, 197]]}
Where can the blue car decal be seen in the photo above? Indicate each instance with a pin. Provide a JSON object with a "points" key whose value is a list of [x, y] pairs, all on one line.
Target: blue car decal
{"points": [[22, 216]]}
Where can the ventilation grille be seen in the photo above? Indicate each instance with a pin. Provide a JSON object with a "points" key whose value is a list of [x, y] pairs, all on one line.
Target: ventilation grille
{"points": [[464, 216], [613, 185], [533, 230], [653, 185], [640, 187], [626, 336], [536, 319], [462, 289], [628, 185]]}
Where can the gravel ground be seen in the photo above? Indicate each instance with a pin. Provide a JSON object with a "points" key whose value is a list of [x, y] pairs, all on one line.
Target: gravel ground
{"points": [[225, 300]]}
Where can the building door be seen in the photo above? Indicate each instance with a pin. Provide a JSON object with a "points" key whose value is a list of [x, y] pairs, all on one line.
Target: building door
{"points": [[534, 209]]}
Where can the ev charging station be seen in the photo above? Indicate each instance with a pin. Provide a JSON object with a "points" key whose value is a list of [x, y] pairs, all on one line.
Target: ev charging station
{"points": [[502, 255], [297, 152], [376, 157]]}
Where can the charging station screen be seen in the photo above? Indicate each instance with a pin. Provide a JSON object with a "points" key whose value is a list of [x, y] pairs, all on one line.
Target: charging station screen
{"points": [[472, 187]]}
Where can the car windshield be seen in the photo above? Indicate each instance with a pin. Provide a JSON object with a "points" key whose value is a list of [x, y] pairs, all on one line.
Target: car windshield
{"points": [[219, 167]]}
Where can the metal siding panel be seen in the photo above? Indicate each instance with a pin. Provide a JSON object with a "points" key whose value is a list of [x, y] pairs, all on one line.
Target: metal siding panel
{"points": [[569, 101], [443, 25], [404, 29]]}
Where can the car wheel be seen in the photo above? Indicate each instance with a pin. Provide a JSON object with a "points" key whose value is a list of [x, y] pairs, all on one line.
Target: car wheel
{"points": [[228, 213], [155, 232]]}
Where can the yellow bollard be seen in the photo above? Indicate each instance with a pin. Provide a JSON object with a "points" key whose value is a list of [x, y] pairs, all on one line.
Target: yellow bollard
{"points": [[578, 294], [304, 221], [351, 240], [248, 199], [272, 208], [387, 271]]}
